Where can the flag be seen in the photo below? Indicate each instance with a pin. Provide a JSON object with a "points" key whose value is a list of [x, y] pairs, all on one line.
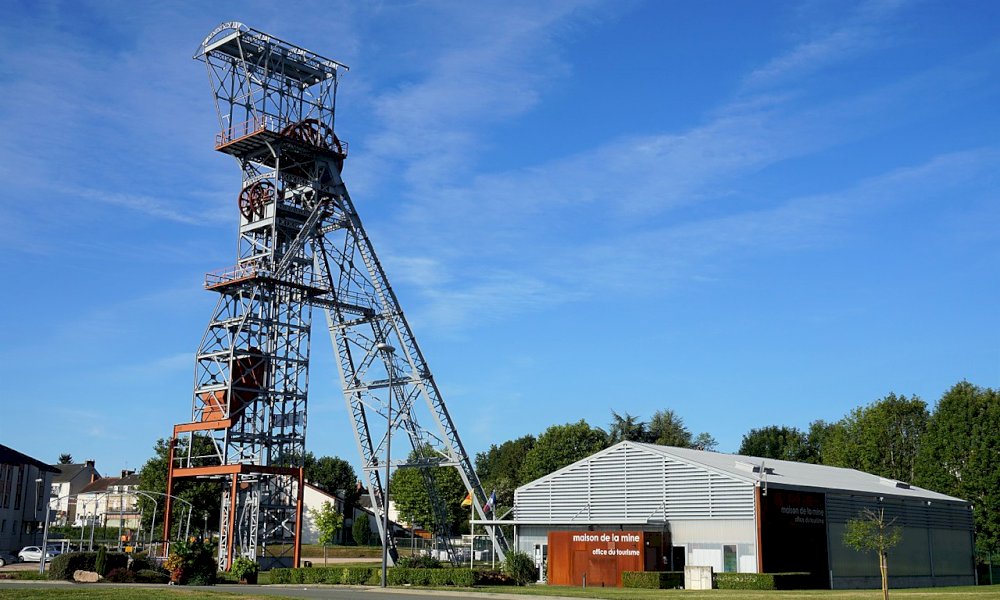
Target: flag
{"points": [[491, 503], [468, 499]]}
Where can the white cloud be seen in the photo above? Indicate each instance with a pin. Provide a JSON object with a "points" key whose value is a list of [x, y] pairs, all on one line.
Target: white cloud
{"points": [[860, 34]]}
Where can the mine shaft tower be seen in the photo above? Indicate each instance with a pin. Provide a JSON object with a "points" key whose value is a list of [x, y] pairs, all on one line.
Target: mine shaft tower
{"points": [[300, 245]]}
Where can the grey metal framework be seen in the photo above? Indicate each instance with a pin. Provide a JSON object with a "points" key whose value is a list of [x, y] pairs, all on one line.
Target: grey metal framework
{"points": [[301, 244]]}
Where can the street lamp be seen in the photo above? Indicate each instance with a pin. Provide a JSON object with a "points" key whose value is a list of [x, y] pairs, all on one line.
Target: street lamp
{"points": [[45, 530], [388, 351]]}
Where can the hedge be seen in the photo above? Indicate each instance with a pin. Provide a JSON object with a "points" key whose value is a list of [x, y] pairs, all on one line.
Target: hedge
{"points": [[397, 576], [763, 581], [64, 565], [653, 580]]}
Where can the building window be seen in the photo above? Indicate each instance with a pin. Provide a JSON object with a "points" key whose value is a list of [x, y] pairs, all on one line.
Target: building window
{"points": [[20, 488], [729, 562], [3, 526], [6, 473]]}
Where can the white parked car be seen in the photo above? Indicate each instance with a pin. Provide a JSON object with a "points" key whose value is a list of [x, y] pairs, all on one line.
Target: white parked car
{"points": [[34, 554]]}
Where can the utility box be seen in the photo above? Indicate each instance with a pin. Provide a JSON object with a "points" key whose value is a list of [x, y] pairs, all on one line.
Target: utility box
{"points": [[697, 578]]}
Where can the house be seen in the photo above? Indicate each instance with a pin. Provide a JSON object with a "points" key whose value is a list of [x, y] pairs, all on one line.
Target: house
{"points": [[313, 498], [110, 502], [69, 481], [24, 483], [644, 507]]}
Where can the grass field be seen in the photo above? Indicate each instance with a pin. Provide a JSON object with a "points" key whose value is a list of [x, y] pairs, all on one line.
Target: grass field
{"points": [[82, 593], [955, 593], [173, 593]]}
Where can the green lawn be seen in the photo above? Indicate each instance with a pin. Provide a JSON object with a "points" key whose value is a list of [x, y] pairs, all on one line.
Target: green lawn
{"points": [[954, 593], [175, 593], [103, 593]]}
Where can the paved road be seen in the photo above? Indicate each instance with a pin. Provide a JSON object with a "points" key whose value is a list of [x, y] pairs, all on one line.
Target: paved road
{"points": [[308, 592]]}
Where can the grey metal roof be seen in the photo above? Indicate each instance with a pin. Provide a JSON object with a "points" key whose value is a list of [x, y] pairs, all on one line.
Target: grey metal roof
{"points": [[9, 456], [788, 474], [67, 473]]}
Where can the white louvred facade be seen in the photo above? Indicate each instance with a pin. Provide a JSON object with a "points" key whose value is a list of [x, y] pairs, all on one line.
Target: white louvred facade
{"points": [[632, 484]]}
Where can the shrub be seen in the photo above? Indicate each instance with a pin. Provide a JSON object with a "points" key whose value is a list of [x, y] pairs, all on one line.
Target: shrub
{"points": [[492, 578], [151, 576], [440, 577], [25, 575], [321, 575], [519, 567], [244, 569], [194, 562], [653, 580], [421, 561], [64, 565], [361, 576], [120, 576], [141, 562], [202, 579], [463, 577], [281, 575], [762, 581], [101, 562]]}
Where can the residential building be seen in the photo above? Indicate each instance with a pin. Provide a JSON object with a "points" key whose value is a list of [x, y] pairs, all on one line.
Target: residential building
{"points": [[69, 481], [24, 482], [313, 498], [110, 502]]}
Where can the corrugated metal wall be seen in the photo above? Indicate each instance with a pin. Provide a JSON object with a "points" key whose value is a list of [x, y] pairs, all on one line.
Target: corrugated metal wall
{"points": [[936, 547], [632, 485]]}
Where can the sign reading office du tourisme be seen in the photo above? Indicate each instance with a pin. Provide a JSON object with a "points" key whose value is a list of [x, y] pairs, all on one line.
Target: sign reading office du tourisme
{"points": [[597, 557]]}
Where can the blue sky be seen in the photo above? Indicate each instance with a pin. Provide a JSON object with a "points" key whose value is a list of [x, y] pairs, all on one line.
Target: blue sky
{"points": [[752, 213]]}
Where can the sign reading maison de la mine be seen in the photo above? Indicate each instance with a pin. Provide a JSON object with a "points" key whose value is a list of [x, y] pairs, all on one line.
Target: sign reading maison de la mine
{"points": [[597, 557]]}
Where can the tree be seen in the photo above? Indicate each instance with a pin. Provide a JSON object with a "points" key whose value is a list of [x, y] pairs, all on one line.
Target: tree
{"points": [[777, 442], [331, 473], [881, 438], [499, 468], [626, 428], [66, 459], [704, 441], [819, 432], [559, 446], [361, 530], [203, 495], [872, 532], [408, 490], [667, 428], [958, 455], [329, 523]]}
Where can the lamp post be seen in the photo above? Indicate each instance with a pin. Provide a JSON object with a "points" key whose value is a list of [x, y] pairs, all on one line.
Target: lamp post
{"points": [[388, 351], [45, 528], [156, 507]]}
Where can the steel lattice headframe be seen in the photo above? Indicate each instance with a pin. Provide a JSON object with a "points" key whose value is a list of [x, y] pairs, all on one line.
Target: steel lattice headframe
{"points": [[300, 245]]}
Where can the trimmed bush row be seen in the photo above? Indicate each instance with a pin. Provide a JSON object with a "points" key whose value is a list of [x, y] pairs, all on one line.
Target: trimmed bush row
{"points": [[653, 580], [763, 581], [373, 576], [662, 580], [64, 565]]}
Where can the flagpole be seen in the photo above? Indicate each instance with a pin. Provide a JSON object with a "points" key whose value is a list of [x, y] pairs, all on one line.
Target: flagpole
{"points": [[472, 532]]}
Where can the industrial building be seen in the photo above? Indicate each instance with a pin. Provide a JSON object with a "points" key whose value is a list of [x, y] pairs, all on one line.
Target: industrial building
{"points": [[24, 489], [638, 506]]}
